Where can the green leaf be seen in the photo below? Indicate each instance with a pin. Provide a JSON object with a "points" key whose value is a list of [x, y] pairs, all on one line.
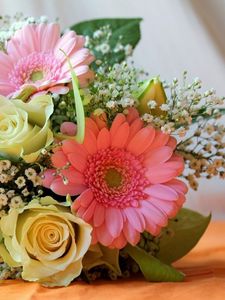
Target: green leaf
{"points": [[124, 31], [181, 235], [152, 268]]}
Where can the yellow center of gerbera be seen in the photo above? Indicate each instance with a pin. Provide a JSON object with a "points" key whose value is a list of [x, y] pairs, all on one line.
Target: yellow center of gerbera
{"points": [[113, 178], [36, 75]]}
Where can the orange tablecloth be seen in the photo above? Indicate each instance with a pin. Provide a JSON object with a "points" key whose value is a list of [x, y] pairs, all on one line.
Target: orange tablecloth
{"points": [[204, 266]]}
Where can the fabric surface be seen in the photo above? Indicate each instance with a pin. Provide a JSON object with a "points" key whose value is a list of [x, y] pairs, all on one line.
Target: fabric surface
{"points": [[204, 267]]}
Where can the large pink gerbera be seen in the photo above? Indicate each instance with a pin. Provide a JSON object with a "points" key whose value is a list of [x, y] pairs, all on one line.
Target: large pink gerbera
{"points": [[126, 178], [34, 59]]}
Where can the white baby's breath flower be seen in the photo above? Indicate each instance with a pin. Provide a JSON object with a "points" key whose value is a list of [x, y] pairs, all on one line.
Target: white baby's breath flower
{"points": [[218, 163], [209, 110], [127, 102], [128, 50], [119, 47], [152, 104], [20, 182], [13, 170], [30, 173], [147, 118], [164, 107], [16, 202], [168, 128], [209, 129], [5, 165], [3, 200], [97, 34], [4, 178], [10, 193], [103, 48], [111, 104], [181, 132], [25, 192]]}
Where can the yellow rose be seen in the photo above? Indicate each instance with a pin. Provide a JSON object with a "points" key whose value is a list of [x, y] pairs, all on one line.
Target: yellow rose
{"points": [[24, 127], [47, 240]]}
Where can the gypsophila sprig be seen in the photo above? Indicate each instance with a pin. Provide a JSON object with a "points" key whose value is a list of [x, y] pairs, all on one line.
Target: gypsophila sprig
{"points": [[19, 183], [10, 25], [100, 45], [203, 152], [113, 89]]}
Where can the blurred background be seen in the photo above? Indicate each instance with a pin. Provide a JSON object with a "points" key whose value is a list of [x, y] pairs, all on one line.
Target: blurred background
{"points": [[177, 35]]}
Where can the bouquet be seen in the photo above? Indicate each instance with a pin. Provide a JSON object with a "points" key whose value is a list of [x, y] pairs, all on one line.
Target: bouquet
{"points": [[96, 156]]}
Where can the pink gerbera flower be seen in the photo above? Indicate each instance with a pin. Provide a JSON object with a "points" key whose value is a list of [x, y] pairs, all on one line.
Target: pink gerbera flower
{"points": [[126, 178], [34, 59]]}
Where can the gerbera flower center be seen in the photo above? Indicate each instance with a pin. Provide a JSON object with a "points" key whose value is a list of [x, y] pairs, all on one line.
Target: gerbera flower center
{"points": [[113, 178], [116, 177], [38, 66], [36, 75]]}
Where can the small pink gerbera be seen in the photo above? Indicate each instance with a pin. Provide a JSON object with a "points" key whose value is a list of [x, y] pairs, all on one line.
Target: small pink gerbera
{"points": [[126, 178], [34, 59]]}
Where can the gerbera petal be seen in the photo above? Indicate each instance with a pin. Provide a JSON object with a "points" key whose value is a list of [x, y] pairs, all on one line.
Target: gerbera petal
{"points": [[119, 139], [149, 210], [77, 161], [162, 192], [83, 200], [47, 36], [134, 128], [89, 212], [136, 220], [73, 175], [48, 177], [59, 159], [6, 64], [78, 57], [103, 140], [15, 50], [59, 188], [119, 120], [131, 234], [90, 142], [141, 141], [80, 70], [59, 89], [177, 185], [28, 32], [168, 207], [158, 155], [91, 125], [119, 242], [132, 115], [113, 221], [103, 235], [160, 173], [160, 140], [66, 43], [172, 143], [70, 146], [99, 216]]}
